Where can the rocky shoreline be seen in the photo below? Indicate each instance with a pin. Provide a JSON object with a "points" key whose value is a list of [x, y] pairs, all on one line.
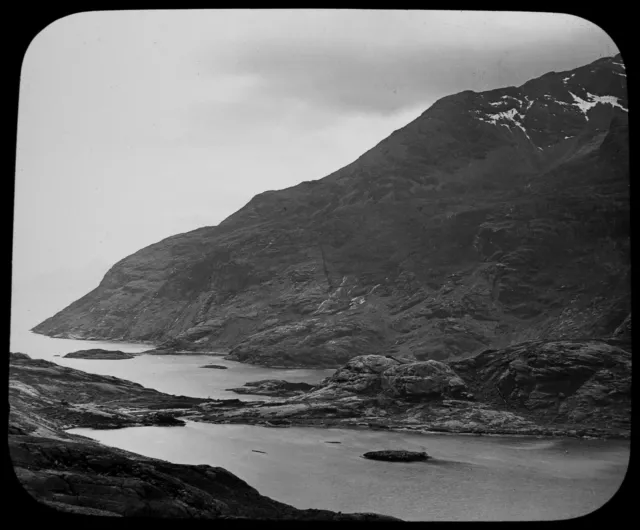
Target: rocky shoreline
{"points": [[241, 414], [74, 474], [556, 389], [571, 388]]}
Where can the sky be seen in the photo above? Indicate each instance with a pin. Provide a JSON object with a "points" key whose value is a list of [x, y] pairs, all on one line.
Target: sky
{"points": [[137, 125]]}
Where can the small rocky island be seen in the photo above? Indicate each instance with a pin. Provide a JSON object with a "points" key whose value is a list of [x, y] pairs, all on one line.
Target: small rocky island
{"points": [[273, 387], [98, 353], [397, 456], [215, 366]]}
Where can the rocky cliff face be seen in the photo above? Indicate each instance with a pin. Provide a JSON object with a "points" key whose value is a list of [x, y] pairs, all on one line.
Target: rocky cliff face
{"points": [[493, 218]]}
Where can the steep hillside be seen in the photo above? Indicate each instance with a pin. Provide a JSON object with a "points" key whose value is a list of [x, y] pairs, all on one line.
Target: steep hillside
{"points": [[492, 218]]}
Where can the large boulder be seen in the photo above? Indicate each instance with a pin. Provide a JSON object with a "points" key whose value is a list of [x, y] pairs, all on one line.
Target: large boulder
{"points": [[380, 375], [416, 381], [362, 374]]}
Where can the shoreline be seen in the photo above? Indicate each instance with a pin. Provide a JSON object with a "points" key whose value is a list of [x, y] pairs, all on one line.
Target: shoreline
{"points": [[75, 473], [219, 412], [94, 339], [427, 432], [279, 412], [185, 352]]}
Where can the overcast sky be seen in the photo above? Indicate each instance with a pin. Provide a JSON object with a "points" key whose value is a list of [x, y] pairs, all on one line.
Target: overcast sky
{"points": [[134, 126]]}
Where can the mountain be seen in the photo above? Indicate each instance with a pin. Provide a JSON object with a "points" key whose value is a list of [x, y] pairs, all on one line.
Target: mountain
{"points": [[493, 218]]}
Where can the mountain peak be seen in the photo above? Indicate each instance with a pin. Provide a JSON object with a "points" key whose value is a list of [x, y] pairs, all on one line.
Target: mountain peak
{"points": [[493, 217]]}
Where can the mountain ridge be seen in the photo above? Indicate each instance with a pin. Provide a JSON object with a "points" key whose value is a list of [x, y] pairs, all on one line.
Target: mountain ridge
{"points": [[463, 230]]}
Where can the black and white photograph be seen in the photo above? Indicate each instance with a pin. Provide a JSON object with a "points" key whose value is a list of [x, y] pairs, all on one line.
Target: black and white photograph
{"points": [[321, 265]]}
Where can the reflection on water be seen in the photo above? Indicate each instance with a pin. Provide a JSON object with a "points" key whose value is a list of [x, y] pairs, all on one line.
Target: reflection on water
{"points": [[470, 478]]}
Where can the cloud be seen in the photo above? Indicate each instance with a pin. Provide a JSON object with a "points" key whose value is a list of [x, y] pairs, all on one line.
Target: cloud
{"points": [[367, 62]]}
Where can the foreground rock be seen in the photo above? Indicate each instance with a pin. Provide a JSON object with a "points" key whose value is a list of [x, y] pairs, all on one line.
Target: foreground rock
{"points": [[557, 388], [273, 387], [81, 476], [64, 397], [74, 474], [571, 382], [99, 354], [397, 456]]}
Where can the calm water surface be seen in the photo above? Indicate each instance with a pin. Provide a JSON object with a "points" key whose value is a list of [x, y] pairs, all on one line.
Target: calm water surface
{"points": [[173, 374], [470, 478]]}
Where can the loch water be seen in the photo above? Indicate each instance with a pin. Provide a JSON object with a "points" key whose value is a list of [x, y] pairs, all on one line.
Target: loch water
{"points": [[173, 374], [469, 479]]}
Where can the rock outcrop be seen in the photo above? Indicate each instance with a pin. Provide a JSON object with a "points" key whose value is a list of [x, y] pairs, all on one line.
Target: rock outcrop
{"points": [[44, 396], [417, 381], [273, 387], [569, 388], [99, 354], [491, 219], [74, 474], [390, 455], [78, 475], [572, 382]]}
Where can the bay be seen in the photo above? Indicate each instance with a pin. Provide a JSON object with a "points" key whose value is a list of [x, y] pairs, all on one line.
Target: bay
{"points": [[173, 374], [469, 478]]}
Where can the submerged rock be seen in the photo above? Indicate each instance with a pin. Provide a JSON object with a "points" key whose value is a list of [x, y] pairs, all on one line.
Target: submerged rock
{"points": [[217, 366], [98, 353], [397, 456]]}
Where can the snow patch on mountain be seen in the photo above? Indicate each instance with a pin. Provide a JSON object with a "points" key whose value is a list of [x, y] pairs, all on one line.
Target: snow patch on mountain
{"points": [[551, 98], [609, 100], [585, 105], [504, 100], [511, 116], [564, 80]]}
